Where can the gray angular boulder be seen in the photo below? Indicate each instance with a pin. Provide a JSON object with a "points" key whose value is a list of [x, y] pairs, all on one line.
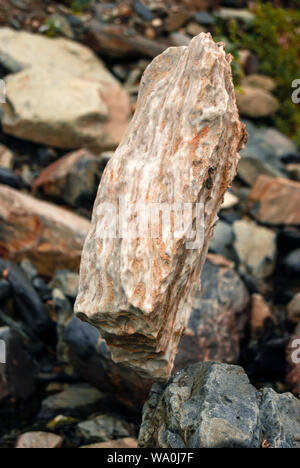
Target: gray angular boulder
{"points": [[213, 405]]}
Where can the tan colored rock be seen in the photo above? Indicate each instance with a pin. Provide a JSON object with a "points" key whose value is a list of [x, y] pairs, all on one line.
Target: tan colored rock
{"points": [[230, 200], [260, 312], [276, 200], [6, 157], [49, 236], [256, 102], [60, 94], [127, 442], [255, 246], [39, 440], [259, 81], [181, 147], [293, 309]]}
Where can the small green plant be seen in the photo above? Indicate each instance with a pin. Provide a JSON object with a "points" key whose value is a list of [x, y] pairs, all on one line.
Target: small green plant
{"points": [[77, 6], [53, 27], [273, 36]]}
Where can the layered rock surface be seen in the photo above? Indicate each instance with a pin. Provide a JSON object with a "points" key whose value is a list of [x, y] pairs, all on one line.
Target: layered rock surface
{"points": [[181, 147]]}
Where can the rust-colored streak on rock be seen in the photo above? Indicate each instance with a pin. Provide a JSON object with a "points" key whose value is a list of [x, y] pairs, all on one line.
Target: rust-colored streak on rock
{"points": [[181, 147], [51, 237]]}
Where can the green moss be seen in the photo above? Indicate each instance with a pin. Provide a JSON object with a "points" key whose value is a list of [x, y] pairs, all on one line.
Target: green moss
{"points": [[77, 6], [54, 28], [273, 36]]}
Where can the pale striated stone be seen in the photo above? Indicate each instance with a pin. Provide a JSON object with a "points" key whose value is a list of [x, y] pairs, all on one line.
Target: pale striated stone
{"points": [[181, 147], [49, 236]]}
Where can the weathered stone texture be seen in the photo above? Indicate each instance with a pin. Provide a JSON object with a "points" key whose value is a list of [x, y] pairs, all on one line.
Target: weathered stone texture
{"points": [[181, 147]]}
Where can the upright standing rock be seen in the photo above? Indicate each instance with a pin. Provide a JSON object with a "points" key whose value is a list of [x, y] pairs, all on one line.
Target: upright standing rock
{"points": [[179, 154]]}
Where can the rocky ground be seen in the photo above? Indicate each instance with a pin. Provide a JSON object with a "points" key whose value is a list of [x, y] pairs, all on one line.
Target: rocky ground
{"points": [[72, 71]]}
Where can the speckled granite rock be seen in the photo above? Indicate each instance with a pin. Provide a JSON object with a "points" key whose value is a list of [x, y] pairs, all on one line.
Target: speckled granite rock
{"points": [[213, 405], [181, 147]]}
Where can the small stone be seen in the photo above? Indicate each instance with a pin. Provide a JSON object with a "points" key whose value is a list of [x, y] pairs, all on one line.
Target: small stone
{"points": [[259, 81], [27, 302], [10, 178], [142, 10], [127, 442], [77, 400], [67, 282], [275, 201], [61, 421], [256, 102], [39, 440], [61, 25], [235, 13], [6, 157], [249, 169], [222, 241], [29, 268], [194, 29], [176, 19], [230, 200], [260, 313], [293, 309], [255, 247], [202, 17], [268, 146], [102, 428], [179, 40], [294, 171], [292, 262], [73, 179]]}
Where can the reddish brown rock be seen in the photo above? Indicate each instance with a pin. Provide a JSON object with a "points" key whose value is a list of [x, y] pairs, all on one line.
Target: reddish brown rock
{"points": [[218, 319], [49, 236], [276, 200], [73, 178], [181, 147], [260, 313], [127, 442], [293, 360], [39, 440]]}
